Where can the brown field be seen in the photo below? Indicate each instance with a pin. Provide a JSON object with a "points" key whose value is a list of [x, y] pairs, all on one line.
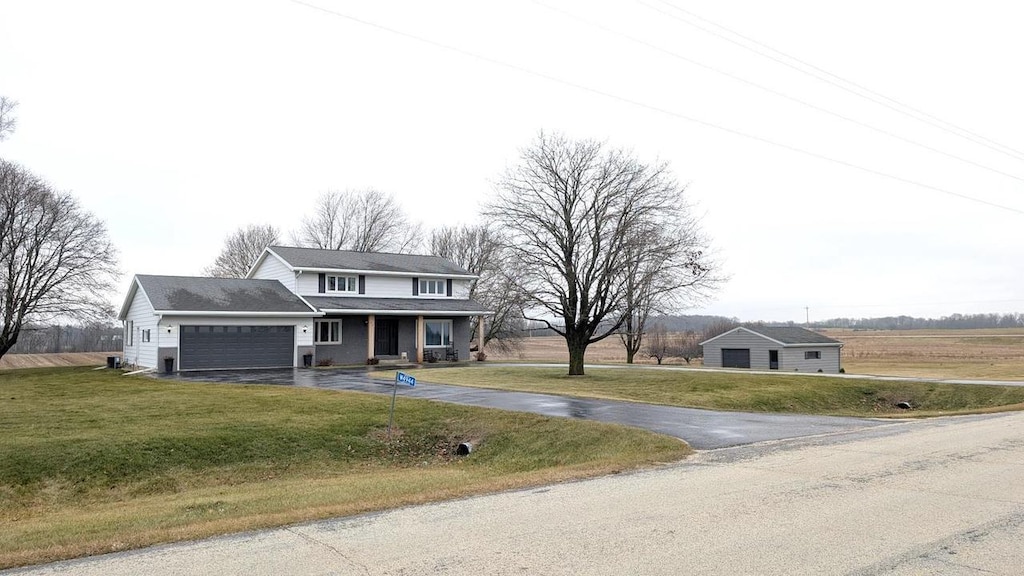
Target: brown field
{"points": [[10, 361], [990, 354]]}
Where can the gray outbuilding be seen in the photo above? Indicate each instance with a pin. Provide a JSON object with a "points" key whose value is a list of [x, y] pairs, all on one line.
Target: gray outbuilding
{"points": [[784, 348]]}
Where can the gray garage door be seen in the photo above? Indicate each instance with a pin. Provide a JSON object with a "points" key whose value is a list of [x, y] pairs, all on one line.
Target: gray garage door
{"points": [[205, 347], [735, 357]]}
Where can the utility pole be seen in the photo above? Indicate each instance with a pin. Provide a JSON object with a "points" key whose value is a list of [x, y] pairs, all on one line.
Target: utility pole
{"points": [[807, 310]]}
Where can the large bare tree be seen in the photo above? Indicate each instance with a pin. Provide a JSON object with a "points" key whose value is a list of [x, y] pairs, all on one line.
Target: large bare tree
{"points": [[361, 220], [575, 213], [7, 120], [241, 249], [482, 252], [56, 260]]}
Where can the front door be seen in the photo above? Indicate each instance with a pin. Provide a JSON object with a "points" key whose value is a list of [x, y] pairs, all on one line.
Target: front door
{"points": [[385, 342]]}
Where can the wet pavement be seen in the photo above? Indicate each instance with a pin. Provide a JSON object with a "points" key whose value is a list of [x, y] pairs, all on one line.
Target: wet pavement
{"points": [[702, 429]]}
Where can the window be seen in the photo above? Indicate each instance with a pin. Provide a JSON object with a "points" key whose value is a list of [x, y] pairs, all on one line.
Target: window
{"points": [[129, 337], [812, 355], [145, 335], [432, 287], [328, 332], [439, 333], [342, 284]]}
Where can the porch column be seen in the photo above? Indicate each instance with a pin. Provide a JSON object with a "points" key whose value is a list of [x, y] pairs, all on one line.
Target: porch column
{"points": [[480, 334], [371, 335], [419, 339]]}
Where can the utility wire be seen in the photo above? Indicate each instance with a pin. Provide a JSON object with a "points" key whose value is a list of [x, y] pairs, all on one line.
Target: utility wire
{"points": [[764, 88], [651, 107], [842, 83]]}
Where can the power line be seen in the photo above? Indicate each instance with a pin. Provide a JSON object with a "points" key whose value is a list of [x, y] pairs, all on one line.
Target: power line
{"points": [[653, 108], [842, 84], [778, 93]]}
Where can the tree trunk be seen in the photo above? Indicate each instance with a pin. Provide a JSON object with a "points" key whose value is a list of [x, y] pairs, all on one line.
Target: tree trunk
{"points": [[630, 353], [577, 350]]}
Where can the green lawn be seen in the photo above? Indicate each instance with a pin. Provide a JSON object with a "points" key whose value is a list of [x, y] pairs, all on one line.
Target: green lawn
{"points": [[808, 394], [92, 462]]}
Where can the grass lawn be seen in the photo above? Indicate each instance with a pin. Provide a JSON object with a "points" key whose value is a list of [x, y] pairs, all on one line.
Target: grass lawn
{"points": [[782, 392], [93, 462]]}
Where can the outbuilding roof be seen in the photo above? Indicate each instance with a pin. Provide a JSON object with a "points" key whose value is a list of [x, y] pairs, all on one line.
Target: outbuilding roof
{"points": [[317, 259], [784, 335], [397, 305], [218, 295]]}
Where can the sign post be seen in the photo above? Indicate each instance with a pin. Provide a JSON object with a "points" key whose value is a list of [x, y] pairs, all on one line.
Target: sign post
{"points": [[404, 379]]}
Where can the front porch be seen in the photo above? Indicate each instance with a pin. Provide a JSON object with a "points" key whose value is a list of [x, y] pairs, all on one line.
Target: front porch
{"points": [[354, 339]]}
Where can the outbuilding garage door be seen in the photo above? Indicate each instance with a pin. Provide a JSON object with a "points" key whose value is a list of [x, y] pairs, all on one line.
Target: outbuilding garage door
{"points": [[206, 347], [735, 357]]}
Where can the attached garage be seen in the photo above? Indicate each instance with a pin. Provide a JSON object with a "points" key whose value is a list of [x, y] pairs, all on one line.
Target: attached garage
{"points": [[735, 357], [190, 323], [213, 347]]}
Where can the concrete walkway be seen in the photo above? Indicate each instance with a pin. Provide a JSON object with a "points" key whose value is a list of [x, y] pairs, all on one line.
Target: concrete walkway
{"points": [[702, 429]]}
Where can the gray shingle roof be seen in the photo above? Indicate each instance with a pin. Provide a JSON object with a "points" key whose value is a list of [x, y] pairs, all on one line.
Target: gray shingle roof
{"points": [[792, 335], [194, 294], [374, 261], [426, 305]]}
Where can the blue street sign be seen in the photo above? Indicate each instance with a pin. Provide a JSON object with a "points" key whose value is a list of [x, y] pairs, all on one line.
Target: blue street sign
{"points": [[406, 379]]}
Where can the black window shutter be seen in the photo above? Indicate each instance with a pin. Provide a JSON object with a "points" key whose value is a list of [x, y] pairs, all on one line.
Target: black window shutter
{"points": [[323, 283], [449, 286], [362, 284], [415, 286]]}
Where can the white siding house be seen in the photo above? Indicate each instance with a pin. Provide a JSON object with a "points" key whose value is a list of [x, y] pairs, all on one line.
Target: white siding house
{"points": [[300, 306], [783, 348]]}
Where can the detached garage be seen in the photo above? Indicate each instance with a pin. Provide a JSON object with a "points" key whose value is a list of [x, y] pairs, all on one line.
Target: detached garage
{"points": [[214, 323], [787, 348]]}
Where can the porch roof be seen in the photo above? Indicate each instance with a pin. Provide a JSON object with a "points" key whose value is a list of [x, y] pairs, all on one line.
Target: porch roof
{"points": [[395, 306]]}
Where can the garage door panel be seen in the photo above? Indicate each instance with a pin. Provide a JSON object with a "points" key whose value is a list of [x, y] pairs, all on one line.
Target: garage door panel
{"points": [[735, 357], [208, 347]]}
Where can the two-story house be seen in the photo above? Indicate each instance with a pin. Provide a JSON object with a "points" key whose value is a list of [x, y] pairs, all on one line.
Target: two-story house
{"points": [[303, 305]]}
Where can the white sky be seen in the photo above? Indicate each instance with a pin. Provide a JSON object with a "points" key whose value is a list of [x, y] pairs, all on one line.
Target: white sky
{"points": [[178, 122]]}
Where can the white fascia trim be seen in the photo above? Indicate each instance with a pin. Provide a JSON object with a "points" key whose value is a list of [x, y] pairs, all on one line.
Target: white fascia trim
{"points": [[350, 312], [389, 273], [238, 314]]}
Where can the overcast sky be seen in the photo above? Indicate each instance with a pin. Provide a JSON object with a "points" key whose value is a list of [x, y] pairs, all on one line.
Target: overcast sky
{"points": [[178, 122]]}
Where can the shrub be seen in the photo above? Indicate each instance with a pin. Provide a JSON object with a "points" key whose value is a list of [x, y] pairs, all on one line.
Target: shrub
{"points": [[325, 362], [481, 356], [372, 361]]}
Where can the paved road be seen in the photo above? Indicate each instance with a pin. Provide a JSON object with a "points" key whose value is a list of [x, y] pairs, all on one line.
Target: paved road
{"points": [[702, 429], [941, 496]]}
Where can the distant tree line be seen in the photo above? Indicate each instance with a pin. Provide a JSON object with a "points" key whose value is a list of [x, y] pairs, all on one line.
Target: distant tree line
{"points": [[951, 322], [68, 338]]}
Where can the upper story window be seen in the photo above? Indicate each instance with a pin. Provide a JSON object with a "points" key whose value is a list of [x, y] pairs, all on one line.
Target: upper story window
{"points": [[432, 287], [343, 284]]}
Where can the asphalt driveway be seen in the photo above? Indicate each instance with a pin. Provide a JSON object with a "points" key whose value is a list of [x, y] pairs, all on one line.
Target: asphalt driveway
{"points": [[702, 429]]}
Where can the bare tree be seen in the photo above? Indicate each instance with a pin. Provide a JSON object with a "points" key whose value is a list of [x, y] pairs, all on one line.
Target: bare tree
{"points": [[689, 347], [56, 260], [7, 120], [361, 220], [482, 252], [241, 249], [659, 343], [574, 213], [668, 270]]}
